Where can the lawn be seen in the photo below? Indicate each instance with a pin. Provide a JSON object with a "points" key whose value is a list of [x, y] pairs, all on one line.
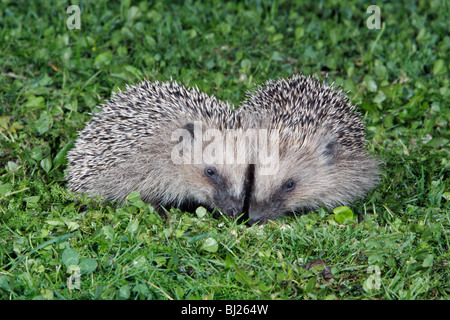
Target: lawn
{"points": [[52, 76]]}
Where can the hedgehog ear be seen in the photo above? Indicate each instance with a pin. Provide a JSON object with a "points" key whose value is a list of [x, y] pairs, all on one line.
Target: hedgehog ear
{"points": [[189, 127], [330, 151]]}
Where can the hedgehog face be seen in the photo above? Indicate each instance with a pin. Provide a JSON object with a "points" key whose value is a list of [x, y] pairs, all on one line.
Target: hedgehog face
{"points": [[227, 175], [226, 188], [211, 170], [321, 173], [300, 182]]}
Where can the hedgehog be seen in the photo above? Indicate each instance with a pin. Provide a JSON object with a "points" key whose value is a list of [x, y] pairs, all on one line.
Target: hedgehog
{"points": [[321, 160], [151, 138]]}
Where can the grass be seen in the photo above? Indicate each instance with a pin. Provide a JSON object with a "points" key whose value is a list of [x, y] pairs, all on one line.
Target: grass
{"points": [[53, 77]]}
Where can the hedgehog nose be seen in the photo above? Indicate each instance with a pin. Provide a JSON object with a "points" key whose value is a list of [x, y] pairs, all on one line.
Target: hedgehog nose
{"points": [[232, 212], [254, 220]]}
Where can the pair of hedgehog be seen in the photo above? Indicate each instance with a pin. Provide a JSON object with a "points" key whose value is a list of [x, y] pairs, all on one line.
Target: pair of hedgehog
{"points": [[132, 145]]}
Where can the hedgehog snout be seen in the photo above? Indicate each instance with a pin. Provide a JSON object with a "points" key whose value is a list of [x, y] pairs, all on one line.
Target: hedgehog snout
{"points": [[232, 212], [255, 215], [256, 220]]}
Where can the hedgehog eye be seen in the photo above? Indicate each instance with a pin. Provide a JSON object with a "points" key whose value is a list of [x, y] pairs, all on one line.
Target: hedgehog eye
{"points": [[210, 172], [289, 186]]}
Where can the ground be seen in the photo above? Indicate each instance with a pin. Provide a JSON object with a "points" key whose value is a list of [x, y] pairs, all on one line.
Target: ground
{"points": [[393, 244]]}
